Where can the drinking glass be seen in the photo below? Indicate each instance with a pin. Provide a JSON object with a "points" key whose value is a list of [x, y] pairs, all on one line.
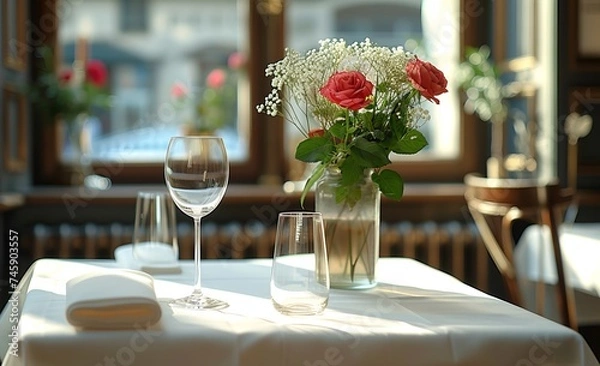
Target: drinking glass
{"points": [[300, 273], [154, 230], [197, 174]]}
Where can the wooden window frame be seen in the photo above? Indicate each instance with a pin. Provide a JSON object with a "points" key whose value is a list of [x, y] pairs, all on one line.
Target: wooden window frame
{"points": [[583, 100], [527, 60], [266, 163], [14, 51], [15, 150], [579, 61]]}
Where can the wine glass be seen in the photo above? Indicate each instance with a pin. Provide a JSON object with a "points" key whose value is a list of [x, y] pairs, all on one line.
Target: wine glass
{"points": [[197, 174]]}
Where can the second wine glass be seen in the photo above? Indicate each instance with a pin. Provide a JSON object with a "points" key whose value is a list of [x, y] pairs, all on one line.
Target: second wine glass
{"points": [[197, 174]]}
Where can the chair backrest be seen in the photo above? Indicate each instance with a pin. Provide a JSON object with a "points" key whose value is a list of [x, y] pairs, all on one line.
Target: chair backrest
{"points": [[495, 204]]}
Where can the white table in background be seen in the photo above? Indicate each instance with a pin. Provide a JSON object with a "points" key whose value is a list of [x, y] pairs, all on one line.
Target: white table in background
{"points": [[580, 248], [417, 315]]}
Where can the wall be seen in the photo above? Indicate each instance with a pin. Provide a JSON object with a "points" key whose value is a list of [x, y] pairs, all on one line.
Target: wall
{"points": [[578, 73]]}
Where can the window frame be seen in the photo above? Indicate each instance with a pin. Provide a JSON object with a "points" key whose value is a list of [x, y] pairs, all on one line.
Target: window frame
{"points": [[266, 160]]}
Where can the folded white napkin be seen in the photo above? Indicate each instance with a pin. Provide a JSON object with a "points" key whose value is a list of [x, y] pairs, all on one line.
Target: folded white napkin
{"points": [[112, 299], [124, 257]]}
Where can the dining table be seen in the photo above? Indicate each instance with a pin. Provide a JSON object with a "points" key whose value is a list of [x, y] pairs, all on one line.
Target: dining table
{"points": [[580, 249], [416, 315]]}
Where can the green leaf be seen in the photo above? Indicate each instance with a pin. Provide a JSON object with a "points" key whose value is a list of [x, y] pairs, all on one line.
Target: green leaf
{"points": [[338, 130], [316, 174], [369, 154], [379, 120], [378, 135], [411, 142], [383, 86], [314, 149], [364, 124], [351, 171], [390, 183], [397, 122], [348, 194]]}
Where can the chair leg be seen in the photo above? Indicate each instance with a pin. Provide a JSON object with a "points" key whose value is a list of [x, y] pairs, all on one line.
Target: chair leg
{"points": [[565, 296], [502, 263], [507, 247]]}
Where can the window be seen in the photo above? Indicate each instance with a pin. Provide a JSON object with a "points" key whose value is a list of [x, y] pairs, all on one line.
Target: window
{"points": [[428, 28], [133, 15], [183, 45], [182, 42]]}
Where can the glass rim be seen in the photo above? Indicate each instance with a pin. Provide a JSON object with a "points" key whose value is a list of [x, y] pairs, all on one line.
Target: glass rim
{"points": [[300, 214], [152, 193], [196, 137]]}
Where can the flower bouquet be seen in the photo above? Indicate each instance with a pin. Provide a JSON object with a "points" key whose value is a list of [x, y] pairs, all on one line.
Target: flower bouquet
{"points": [[355, 104], [70, 96], [216, 105], [72, 91]]}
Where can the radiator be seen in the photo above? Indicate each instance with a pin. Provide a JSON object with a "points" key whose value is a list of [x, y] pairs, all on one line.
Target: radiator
{"points": [[452, 247]]}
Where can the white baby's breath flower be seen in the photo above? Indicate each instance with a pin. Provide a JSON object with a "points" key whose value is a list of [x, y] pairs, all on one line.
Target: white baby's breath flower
{"points": [[302, 77]]}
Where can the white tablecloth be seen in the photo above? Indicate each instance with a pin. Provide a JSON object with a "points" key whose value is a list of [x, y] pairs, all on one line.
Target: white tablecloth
{"points": [[415, 316], [580, 248]]}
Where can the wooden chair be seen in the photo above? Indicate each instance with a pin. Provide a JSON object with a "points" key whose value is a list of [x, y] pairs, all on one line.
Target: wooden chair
{"points": [[495, 204]]}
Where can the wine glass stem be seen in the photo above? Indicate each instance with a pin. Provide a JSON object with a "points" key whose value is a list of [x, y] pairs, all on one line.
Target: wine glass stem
{"points": [[197, 256]]}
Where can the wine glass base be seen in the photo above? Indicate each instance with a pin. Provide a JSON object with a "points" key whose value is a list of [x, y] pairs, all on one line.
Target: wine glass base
{"points": [[199, 302]]}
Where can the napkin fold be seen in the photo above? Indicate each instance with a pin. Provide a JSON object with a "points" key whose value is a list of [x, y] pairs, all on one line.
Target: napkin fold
{"points": [[112, 299]]}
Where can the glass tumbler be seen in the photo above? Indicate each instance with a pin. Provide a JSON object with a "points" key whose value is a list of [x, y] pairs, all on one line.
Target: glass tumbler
{"points": [[299, 275], [155, 230]]}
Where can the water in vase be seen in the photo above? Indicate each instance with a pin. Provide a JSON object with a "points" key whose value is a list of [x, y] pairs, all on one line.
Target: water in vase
{"points": [[353, 249]]}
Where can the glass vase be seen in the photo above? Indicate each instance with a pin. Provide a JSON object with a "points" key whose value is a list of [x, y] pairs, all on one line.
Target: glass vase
{"points": [[351, 231], [79, 141]]}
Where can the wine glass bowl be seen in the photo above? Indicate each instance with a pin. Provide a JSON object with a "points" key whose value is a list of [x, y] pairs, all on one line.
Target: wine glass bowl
{"points": [[197, 175]]}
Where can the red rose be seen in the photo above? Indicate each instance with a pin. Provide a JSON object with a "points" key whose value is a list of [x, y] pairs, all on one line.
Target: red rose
{"points": [[348, 89], [427, 79], [178, 90], [316, 132], [236, 60], [65, 76], [96, 73], [216, 78]]}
